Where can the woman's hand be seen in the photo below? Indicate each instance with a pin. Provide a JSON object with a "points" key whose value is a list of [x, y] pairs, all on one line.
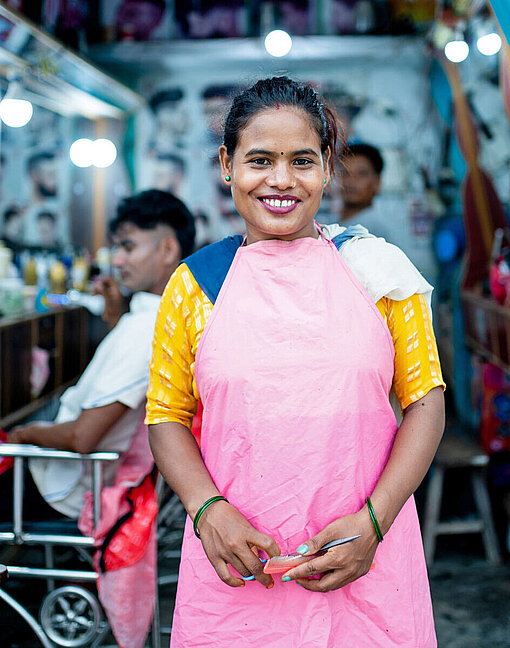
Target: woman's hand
{"points": [[340, 565], [228, 538]]}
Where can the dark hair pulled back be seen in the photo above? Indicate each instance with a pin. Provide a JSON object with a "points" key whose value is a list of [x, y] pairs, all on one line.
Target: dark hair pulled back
{"points": [[281, 91]]}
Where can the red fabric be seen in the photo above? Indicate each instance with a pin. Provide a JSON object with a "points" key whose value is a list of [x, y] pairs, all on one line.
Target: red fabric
{"points": [[5, 462], [129, 543], [495, 419], [196, 426]]}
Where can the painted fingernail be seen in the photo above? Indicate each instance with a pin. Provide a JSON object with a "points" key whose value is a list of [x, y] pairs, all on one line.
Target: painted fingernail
{"points": [[302, 549], [248, 578], [300, 584], [285, 579]]}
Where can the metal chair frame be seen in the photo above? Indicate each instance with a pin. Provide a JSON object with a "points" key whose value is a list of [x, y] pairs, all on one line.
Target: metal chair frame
{"points": [[20, 536]]}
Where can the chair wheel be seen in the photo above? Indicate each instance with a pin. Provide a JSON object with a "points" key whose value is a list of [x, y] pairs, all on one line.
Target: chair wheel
{"points": [[71, 616]]}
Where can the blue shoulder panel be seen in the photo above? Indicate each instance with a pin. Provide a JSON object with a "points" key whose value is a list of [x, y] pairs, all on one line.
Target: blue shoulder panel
{"points": [[210, 264], [348, 233]]}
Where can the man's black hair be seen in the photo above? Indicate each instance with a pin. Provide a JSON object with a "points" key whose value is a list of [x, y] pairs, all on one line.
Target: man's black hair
{"points": [[153, 207], [42, 156], [170, 95], [11, 212], [370, 152], [220, 91], [46, 214], [171, 157]]}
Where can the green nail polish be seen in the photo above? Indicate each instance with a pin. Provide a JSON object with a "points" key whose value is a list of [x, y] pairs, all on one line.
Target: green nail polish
{"points": [[285, 579], [302, 549]]}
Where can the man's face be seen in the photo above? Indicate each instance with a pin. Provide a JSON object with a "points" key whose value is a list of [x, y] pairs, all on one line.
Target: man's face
{"points": [[46, 228], [144, 16], [359, 182], [44, 177], [167, 176], [214, 109], [141, 257], [13, 227]]}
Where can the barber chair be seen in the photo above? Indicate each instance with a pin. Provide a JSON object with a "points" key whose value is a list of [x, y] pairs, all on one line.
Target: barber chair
{"points": [[70, 615]]}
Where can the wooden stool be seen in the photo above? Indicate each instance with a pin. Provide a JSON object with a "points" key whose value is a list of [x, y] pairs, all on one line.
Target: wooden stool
{"points": [[454, 452]]}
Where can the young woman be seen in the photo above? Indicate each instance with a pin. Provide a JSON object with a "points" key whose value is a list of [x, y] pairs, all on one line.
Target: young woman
{"points": [[294, 365]]}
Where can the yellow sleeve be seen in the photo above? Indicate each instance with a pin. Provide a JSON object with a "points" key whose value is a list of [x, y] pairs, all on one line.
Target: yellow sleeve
{"points": [[182, 315], [417, 367]]}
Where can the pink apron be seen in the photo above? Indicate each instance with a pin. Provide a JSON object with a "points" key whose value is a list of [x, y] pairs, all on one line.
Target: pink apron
{"points": [[294, 369]]}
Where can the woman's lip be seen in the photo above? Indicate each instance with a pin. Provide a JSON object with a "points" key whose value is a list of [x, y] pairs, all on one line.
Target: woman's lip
{"points": [[279, 210], [278, 197]]}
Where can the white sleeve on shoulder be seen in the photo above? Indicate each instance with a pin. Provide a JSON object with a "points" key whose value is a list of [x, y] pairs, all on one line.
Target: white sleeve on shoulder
{"points": [[119, 370], [384, 270]]}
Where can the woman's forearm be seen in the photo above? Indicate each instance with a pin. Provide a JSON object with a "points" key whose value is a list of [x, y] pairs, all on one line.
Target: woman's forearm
{"points": [[413, 450], [179, 460]]}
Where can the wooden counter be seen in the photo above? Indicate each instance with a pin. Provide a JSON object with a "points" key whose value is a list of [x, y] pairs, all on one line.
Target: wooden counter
{"points": [[64, 333]]}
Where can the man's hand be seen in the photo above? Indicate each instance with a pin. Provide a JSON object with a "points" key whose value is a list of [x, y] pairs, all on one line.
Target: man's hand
{"points": [[26, 433], [115, 304], [81, 435]]}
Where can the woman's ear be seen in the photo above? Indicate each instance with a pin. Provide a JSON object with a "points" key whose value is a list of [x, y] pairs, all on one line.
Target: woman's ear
{"points": [[327, 169], [226, 164]]}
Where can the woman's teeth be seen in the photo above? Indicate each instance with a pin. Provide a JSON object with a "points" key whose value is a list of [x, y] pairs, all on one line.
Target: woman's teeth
{"points": [[274, 202]]}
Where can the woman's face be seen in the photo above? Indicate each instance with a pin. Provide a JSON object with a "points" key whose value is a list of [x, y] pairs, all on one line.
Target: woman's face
{"points": [[278, 174]]}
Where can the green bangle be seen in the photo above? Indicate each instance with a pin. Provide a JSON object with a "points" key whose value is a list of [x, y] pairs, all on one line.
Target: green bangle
{"points": [[206, 504], [374, 520]]}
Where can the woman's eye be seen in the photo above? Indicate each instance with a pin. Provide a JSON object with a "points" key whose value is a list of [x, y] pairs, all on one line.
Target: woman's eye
{"points": [[302, 162], [260, 161]]}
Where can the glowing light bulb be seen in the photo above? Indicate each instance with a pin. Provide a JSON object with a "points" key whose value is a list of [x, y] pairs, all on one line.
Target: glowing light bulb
{"points": [[16, 112], [104, 153], [81, 152], [489, 44], [278, 43], [456, 51]]}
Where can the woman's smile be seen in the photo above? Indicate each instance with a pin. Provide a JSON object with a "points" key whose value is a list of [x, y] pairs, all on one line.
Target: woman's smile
{"points": [[279, 204]]}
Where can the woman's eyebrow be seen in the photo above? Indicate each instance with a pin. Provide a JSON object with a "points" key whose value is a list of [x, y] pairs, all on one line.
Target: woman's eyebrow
{"points": [[307, 151], [259, 152]]}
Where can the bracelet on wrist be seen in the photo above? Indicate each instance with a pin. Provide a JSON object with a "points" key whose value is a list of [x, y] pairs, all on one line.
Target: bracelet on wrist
{"points": [[204, 506], [374, 520]]}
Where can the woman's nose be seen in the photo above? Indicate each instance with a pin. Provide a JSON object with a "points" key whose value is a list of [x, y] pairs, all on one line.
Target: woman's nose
{"points": [[282, 177]]}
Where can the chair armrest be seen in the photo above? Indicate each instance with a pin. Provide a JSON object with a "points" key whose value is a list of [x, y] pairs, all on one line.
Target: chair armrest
{"points": [[21, 451], [36, 452]]}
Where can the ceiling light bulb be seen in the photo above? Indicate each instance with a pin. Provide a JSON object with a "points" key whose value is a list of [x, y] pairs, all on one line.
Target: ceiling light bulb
{"points": [[104, 153], [278, 43], [81, 152], [456, 51], [489, 44], [16, 112]]}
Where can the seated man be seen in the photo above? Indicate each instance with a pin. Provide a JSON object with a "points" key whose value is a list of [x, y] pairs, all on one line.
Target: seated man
{"points": [[152, 232], [360, 182]]}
